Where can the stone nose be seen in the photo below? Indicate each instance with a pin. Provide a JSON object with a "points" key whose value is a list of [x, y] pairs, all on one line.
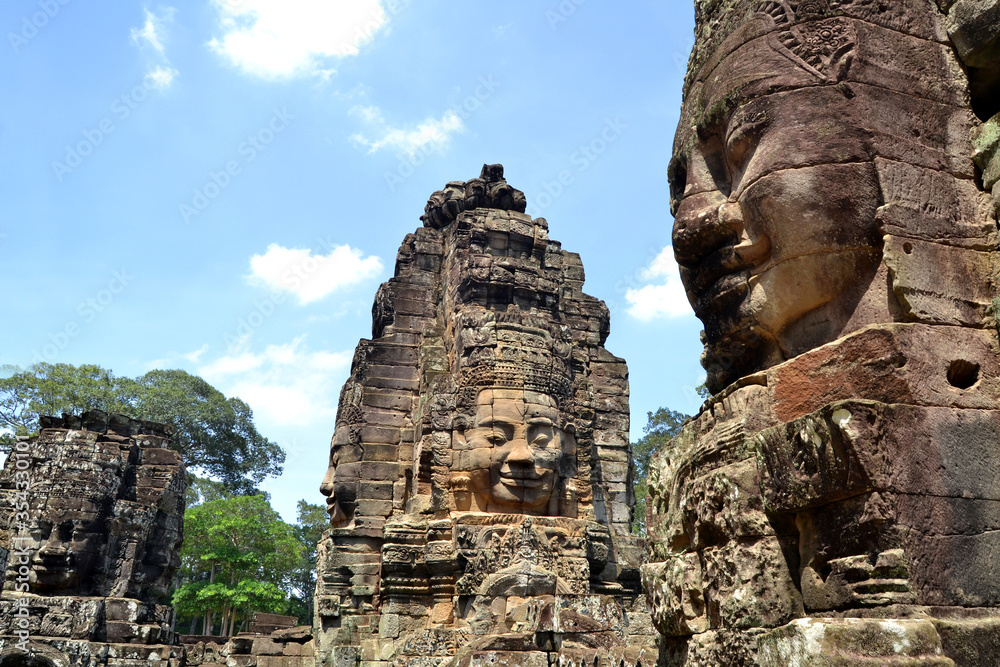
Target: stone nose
{"points": [[326, 488], [520, 452], [705, 222], [53, 548]]}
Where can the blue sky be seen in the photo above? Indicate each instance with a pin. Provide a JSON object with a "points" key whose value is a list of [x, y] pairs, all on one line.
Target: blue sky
{"points": [[221, 185]]}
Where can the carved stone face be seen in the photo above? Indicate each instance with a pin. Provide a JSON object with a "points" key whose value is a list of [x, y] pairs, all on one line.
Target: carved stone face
{"points": [[775, 230], [516, 437], [340, 486], [65, 560]]}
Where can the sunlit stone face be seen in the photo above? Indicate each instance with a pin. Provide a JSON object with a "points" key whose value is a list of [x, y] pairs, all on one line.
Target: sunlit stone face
{"points": [[776, 230], [516, 437], [340, 485]]}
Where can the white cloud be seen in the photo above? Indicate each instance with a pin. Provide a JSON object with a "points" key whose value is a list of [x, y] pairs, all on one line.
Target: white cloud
{"points": [[193, 357], [431, 134], [285, 384], [286, 38], [150, 39], [161, 77], [173, 358], [149, 33], [312, 277], [664, 299]]}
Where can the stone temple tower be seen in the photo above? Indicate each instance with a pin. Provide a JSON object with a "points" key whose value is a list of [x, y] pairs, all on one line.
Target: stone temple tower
{"points": [[480, 477]]}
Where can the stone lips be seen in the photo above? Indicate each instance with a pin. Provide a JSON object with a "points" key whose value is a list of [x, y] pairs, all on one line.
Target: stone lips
{"points": [[480, 476]]}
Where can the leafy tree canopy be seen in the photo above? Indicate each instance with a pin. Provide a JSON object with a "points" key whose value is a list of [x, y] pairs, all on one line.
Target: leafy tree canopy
{"points": [[312, 521], [662, 426], [215, 435], [238, 557]]}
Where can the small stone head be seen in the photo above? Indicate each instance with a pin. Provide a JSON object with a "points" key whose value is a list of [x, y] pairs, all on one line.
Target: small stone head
{"points": [[104, 508], [513, 441], [340, 485]]}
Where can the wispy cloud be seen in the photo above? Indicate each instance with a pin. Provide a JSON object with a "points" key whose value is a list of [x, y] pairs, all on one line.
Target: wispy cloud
{"points": [[151, 38], [275, 39], [663, 299], [148, 34], [312, 277], [193, 357], [172, 360], [161, 77], [284, 384], [431, 134]]}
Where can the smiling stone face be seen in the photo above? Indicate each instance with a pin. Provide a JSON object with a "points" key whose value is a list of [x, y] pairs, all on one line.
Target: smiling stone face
{"points": [[516, 438], [778, 244], [798, 121]]}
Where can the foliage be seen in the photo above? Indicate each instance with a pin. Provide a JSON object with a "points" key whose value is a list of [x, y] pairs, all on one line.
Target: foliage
{"points": [[312, 521], [238, 557], [662, 426], [216, 435], [202, 490]]}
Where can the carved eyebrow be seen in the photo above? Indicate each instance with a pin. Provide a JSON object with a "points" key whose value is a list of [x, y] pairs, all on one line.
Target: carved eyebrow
{"points": [[495, 422], [540, 421], [744, 119]]}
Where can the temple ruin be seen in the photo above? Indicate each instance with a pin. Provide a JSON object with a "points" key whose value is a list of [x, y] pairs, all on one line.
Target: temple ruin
{"points": [[480, 480], [835, 183]]}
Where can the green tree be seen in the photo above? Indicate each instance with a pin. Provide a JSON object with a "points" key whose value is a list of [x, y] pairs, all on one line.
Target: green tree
{"points": [[215, 435], [661, 427], [238, 557], [312, 521], [202, 490]]}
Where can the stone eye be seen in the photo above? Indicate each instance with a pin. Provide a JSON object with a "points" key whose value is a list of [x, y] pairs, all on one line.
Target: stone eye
{"points": [[496, 438], [540, 436], [737, 147]]}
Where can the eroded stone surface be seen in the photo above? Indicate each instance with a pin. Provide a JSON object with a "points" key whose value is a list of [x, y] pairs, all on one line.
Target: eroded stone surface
{"points": [[480, 477], [836, 232], [91, 515]]}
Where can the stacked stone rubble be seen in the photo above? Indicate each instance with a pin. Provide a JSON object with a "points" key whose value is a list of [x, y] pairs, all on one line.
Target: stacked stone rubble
{"points": [[837, 500], [289, 647], [91, 519], [446, 547]]}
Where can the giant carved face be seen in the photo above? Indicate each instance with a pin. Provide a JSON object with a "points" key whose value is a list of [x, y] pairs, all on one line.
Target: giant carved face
{"points": [[340, 485], [70, 548], [776, 192], [516, 437]]}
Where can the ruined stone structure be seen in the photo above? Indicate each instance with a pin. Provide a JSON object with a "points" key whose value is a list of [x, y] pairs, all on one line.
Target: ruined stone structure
{"points": [[480, 478], [91, 515], [287, 647], [837, 500]]}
